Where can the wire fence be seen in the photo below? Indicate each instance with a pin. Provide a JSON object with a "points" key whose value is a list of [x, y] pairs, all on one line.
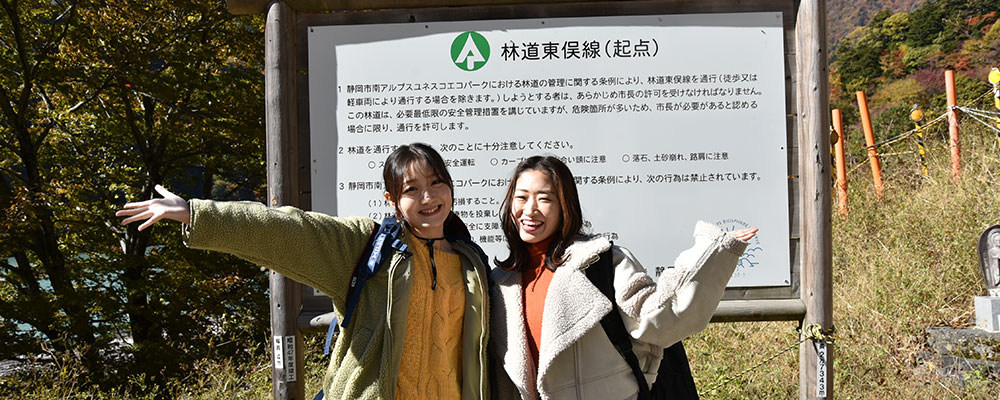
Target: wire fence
{"points": [[989, 119]]}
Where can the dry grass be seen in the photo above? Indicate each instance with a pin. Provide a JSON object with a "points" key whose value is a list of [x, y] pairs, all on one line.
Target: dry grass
{"points": [[901, 265]]}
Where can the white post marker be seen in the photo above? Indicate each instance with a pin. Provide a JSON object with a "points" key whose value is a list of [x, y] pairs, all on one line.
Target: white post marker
{"points": [[821, 379], [278, 353], [289, 358]]}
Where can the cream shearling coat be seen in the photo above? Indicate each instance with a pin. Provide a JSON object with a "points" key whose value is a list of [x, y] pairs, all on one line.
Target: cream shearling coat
{"points": [[576, 359]]}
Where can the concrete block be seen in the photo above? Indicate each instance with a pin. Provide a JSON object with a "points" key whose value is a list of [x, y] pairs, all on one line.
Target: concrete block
{"points": [[988, 313]]}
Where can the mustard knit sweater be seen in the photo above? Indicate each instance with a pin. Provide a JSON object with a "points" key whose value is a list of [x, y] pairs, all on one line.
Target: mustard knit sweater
{"points": [[431, 365]]}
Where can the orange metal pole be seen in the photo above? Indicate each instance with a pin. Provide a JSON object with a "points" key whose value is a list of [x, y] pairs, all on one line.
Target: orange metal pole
{"points": [[866, 123], [838, 125], [956, 148]]}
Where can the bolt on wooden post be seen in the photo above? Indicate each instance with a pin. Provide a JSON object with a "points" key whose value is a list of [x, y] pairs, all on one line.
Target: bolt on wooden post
{"points": [[866, 123]]}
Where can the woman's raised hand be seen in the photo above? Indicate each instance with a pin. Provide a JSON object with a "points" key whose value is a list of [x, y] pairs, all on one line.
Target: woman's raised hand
{"points": [[170, 206], [744, 234]]}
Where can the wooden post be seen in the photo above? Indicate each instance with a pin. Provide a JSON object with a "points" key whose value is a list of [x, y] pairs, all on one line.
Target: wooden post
{"points": [[816, 285], [956, 149], [838, 126], [282, 189], [866, 123]]}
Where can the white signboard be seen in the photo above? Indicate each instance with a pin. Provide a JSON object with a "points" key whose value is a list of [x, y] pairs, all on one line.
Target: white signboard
{"points": [[664, 120]]}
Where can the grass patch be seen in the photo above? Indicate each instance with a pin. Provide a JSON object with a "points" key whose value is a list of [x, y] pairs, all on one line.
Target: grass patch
{"points": [[900, 265]]}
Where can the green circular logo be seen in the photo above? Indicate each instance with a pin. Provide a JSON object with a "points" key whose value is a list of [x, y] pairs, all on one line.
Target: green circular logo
{"points": [[470, 51]]}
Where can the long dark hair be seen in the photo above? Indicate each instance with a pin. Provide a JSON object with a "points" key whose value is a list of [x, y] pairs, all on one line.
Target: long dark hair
{"points": [[569, 202], [394, 171]]}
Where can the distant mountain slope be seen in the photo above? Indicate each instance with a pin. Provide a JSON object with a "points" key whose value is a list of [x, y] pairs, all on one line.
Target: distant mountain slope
{"points": [[843, 16]]}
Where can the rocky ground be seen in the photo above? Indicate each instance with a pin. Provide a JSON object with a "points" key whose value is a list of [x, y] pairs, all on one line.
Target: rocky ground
{"points": [[958, 352]]}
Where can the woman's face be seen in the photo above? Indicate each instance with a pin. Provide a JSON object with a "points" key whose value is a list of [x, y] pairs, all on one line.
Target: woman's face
{"points": [[425, 200], [535, 207]]}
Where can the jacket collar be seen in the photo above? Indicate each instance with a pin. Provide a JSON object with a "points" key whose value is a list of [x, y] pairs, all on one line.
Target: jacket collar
{"points": [[509, 333], [573, 306]]}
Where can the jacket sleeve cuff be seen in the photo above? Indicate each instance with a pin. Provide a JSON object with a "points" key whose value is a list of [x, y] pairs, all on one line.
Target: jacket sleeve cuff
{"points": [[186, 228], [712, 231]]}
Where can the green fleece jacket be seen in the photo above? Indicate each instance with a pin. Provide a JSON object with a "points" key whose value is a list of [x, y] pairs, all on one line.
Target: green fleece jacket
{"points": [[322, 251]]}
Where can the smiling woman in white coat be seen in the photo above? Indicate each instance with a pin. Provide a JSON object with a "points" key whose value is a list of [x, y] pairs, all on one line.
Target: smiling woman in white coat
{"points": [[546, 314]]}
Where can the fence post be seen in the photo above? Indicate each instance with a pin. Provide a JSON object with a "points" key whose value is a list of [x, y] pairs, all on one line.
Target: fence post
{"points": [[838, 126], [956, 149], [866, 123]]}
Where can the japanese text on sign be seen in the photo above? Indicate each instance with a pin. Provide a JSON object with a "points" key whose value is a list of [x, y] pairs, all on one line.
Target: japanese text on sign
{"points": [[664, 120]]}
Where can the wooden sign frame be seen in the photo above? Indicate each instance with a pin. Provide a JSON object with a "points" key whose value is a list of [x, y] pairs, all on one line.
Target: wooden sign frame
{"points": [[295, 307]]}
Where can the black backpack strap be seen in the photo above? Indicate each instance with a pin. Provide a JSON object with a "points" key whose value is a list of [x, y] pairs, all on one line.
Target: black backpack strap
{"points": [[601, 274], [387, 237], [352, 294]]}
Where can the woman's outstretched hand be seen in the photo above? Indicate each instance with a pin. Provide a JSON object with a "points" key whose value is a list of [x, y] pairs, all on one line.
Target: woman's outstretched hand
{"points": [[744, 234], [170, 206]]}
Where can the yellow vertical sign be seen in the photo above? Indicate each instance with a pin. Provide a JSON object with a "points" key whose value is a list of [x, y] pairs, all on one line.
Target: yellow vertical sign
{"points": [[994, 78]]}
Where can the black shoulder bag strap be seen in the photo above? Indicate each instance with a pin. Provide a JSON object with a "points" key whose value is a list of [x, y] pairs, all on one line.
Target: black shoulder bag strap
{"points": [[601, 274]]}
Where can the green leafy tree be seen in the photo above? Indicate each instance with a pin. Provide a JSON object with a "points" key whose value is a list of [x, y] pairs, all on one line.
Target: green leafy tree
{"points": [[902, 92], [926, 23], [100, 101], [867, 53], [859, 62], [37, 269], [895, 28]]}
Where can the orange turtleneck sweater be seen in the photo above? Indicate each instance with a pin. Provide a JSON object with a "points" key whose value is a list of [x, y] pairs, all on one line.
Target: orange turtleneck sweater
{"points": [[535, 284]]}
